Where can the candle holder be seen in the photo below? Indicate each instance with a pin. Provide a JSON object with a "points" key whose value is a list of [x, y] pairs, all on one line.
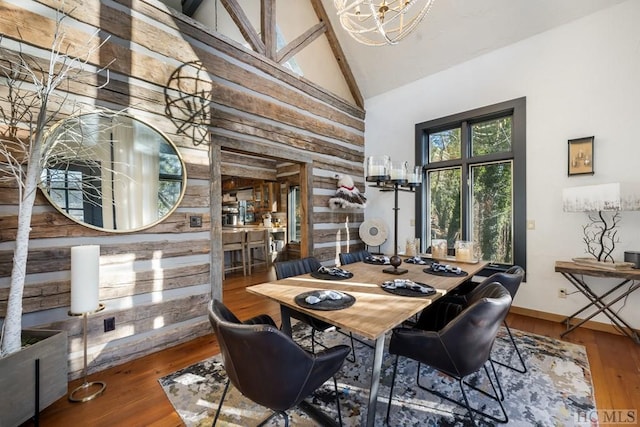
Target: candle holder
{"points": [[393, 177], [87, 390]]}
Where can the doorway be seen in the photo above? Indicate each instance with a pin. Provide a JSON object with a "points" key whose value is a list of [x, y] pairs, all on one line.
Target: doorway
{"points": [[257, 190]]}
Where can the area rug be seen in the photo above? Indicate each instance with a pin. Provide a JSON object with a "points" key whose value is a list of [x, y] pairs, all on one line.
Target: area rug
{"points": [[555, 391]]}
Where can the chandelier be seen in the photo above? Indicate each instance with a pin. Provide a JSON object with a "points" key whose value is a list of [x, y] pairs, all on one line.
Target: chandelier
{"points": [[380, 22]]}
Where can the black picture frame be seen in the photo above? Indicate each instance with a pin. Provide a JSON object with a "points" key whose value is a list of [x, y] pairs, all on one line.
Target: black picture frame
{"points": [[580, 156]]}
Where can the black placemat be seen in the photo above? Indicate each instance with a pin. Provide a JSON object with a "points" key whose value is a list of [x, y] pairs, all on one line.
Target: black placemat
{"points": [[327, 276], [375, 261], [445, 273], [407, 292], [328, 304]]}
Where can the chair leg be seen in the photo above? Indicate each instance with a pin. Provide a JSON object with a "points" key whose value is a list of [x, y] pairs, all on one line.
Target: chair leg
{"points": [[335, 385], [523, 369], [493, 396], [249, 259], [224, 393], [466, 401], [244, 263], [393, 381], [495, 374]]}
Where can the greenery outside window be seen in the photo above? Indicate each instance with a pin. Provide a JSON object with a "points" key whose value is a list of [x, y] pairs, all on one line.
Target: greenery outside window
{"points": [[293, 214], [475, 170], [170, 176]]}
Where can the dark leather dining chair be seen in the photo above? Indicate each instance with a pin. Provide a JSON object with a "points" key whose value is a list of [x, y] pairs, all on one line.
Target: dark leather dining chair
{"points": [[511, 280], [460, 348], [267, 366], [444, 309], [297, 267], [351, 257]]}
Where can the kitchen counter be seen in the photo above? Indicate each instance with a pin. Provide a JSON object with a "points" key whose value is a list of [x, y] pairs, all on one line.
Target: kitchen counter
{"points": [[272, 229]]}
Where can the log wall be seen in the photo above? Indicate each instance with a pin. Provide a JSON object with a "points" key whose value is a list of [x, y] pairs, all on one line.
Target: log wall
{"points": [[157, 282]]}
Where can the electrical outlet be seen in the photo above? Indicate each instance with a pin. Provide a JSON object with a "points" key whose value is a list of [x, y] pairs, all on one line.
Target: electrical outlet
{"points": [[109, 324], [195, 220], [562, 293]]}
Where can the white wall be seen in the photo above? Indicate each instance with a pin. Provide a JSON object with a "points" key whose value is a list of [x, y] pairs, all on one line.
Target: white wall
{"points": [[580, 79]]}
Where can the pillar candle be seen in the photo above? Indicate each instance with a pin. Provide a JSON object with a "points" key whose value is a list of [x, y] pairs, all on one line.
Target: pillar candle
{"points": [[376, 170], [85, 278]]}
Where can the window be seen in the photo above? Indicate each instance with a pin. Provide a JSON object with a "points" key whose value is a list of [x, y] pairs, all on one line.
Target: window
{"points": [[76, 189], [170, 175], [293, 214], [475, 171]]}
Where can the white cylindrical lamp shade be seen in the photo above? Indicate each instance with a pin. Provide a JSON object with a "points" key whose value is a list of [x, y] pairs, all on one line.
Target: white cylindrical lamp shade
{"points": [[85, 278]]}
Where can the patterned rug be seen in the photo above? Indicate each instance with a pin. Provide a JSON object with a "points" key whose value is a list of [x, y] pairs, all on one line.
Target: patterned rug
{"points": [[556, 389]]}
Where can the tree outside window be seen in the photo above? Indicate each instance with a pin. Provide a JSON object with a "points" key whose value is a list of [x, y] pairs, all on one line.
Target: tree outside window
{"points": [[475, 174]]}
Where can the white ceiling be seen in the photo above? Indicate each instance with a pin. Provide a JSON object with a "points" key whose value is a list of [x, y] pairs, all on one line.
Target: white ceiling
{"points": [[455, 31]]}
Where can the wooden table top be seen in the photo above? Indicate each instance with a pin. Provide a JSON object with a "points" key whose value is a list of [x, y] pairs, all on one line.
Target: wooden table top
{"points": [[375, 311], [571, 267]]}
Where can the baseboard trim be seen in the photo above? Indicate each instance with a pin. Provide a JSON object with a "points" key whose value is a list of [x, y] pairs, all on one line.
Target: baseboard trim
{"points": [[552, 317]]}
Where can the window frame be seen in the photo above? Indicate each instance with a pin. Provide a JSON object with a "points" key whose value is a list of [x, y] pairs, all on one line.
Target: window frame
{"points": [[516, 108]]}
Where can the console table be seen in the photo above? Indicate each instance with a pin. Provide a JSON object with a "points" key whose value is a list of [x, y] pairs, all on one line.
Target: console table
{"points": [[575, 273]]}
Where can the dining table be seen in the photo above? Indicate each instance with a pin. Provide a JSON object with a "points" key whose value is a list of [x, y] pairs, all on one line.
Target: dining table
{"points": [[375, 310]]}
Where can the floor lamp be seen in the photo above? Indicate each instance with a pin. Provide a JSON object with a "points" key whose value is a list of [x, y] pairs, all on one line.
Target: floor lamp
{"points": [[393, 176], [85, 283]]}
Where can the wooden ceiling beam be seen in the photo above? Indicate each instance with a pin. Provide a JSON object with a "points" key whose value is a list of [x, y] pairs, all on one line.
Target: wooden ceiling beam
{"points": [[244, 25], [268, 16], [301, 42], [338, 53]]}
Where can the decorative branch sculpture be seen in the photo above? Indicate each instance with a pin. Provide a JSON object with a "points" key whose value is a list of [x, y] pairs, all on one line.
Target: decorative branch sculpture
{"points": [[601, 237], [31, 102]]}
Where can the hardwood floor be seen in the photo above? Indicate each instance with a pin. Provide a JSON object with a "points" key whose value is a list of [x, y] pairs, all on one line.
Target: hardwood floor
{"points": [[134, 397]]}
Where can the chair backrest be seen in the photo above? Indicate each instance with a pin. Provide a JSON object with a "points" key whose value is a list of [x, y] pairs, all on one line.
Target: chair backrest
{"points": [[296, 267], [257, 237], [468, 338], [233, 239], [264, 364], [510, 279], [351, 257]]}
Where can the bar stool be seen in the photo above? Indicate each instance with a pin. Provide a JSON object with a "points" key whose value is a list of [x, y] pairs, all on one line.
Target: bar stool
{"points": [[257, 239], [233, 241]]}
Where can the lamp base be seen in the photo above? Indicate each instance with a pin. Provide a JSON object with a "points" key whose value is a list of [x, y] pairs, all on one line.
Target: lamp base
{"points": [[87, 391], [396, 271]]}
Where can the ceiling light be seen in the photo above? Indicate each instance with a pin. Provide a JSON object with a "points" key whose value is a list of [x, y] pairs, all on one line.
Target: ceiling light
{"points": [[380, 22]]}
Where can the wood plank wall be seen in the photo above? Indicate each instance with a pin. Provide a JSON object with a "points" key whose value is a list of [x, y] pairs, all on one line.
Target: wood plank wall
{"points": [[156, 282]]}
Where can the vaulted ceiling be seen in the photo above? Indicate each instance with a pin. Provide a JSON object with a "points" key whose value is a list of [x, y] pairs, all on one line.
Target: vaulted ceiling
{"points": [[455, 31]]}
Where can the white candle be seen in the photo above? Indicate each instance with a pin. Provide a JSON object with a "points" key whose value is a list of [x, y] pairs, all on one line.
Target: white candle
{"points": [[376, 170], [85, 278], [463, 254], [397, 174]]}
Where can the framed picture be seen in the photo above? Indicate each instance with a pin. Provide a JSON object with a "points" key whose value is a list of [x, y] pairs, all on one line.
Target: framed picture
{"points": [[581, 156]]}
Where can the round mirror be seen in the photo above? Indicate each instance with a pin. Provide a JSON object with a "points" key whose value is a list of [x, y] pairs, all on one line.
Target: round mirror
{"points": [[112, 172]]}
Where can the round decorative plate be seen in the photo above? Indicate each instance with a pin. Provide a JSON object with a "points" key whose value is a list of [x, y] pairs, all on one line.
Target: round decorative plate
{"points": [[373, 232]]}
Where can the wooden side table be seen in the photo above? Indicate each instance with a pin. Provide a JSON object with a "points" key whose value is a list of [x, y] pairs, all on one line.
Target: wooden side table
{"points": [[575, 273]]}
